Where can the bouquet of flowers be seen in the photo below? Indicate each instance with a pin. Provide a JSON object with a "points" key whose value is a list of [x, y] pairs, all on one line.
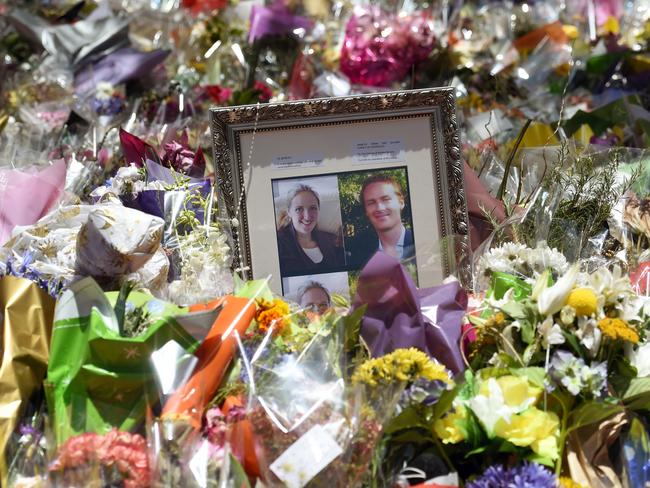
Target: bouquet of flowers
{"points": [[316, 419]]}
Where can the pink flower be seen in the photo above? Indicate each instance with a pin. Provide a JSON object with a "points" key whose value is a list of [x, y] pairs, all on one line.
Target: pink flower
{"points": [[182, 159], [215, 428], [126, 451], [265, 92], [218, 94], [380, 49]]}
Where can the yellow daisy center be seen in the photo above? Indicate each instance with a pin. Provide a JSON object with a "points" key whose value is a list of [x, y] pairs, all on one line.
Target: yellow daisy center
{"points": [[584, 301]]}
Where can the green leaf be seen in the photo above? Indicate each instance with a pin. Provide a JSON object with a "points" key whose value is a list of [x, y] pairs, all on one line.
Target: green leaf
{"points": [[572, 341], [535, 375], [240, 477], [527, 331], [536, 458], [352, 328], [445, 402], [637, 396], [592, 412], [253, 289], [516, 310], [120, 305], [478, 450], [622, 375], [409, 418]]}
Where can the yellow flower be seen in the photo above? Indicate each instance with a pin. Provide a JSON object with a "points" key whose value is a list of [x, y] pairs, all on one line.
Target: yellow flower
{"points": [[584, 301], [447, 428], [566, 482], [618, 329], [532, 428], [271, 313], [400, 365], [516, 391]]}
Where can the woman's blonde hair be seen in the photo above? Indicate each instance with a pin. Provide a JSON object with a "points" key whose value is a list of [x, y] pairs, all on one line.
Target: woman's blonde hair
{"points": [[285, 219]]}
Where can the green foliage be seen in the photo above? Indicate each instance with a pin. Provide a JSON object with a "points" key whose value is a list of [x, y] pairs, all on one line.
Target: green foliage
{"points": [[581, 191]]}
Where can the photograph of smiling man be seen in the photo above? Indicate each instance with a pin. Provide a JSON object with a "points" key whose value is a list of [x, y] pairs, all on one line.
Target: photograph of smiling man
{"points": [[382, 219], [308, 222]]}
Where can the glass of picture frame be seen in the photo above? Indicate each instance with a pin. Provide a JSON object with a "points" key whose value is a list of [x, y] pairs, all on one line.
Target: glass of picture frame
{"points": [[318, 186]]}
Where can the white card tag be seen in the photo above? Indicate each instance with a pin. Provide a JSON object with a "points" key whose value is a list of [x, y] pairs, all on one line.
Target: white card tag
{"points": [[387, 151], [297, 161], [306, 457]]}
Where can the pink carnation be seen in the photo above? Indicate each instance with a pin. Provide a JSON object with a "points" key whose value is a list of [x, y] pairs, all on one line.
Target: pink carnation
{"points": [[128, 452]]}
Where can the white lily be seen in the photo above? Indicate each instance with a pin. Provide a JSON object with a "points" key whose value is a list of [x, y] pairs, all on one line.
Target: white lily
{"points": [[551, 333], [492, 408], [551, 299]]}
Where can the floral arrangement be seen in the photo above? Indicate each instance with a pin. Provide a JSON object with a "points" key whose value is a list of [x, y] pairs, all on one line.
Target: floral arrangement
{"points": [[115, 457], [105, 136]]}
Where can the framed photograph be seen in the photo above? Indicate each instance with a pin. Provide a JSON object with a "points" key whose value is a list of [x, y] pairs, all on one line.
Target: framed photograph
{"points": [[317, 187]]}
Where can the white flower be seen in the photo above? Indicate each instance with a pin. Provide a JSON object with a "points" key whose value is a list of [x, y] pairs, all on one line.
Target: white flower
{"points": [[492, 408], [612, 285], [641, 360], [499, 304], [550, 300], [543, 257], [589, 334], [551, 333], [104, 90]]}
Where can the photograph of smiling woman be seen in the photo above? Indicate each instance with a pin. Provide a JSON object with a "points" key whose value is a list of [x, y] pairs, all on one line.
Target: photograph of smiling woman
{"points": [[302, 247]]}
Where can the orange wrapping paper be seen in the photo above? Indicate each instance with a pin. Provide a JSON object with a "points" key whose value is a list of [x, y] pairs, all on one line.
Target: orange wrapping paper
{"points": [[214, 355], [242, 441]]}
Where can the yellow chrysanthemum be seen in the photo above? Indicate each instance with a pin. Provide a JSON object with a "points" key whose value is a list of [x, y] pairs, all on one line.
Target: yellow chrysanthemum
{"points": [[400, 365], [271, 312], [566, 482], [614, 329], [584, 301], [447, 428]]}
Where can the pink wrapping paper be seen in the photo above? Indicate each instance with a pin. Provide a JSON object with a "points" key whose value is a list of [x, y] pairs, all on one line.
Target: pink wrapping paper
{"points": [[28, 194]]}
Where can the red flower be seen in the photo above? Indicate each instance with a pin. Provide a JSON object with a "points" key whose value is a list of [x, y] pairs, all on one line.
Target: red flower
{"points": [[218, 94], [207, 6], [135, 150], [265, 92]]}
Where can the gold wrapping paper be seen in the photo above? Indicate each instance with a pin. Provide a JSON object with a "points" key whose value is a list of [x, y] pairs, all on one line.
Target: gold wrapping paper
{"points": [[26, 327], [588, 453]]}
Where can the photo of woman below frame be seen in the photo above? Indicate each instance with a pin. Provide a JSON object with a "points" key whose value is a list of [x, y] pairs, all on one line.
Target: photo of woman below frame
{"points": [[302, 246]]}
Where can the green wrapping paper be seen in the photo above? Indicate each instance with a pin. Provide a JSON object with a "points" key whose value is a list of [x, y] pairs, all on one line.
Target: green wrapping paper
{"points": [[97, 379], [502, 282], [26, 327]]}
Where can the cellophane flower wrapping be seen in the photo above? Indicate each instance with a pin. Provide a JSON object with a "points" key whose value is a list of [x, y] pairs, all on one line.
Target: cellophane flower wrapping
{"points": [[312, 426], [188, 441], [100, 371]]}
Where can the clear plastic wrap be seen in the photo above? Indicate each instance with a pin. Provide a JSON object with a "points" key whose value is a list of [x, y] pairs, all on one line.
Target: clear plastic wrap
{"points": [[311, 427]]}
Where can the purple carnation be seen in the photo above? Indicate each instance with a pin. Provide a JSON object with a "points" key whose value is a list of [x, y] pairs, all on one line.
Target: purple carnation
{"points": [[527, 475]]}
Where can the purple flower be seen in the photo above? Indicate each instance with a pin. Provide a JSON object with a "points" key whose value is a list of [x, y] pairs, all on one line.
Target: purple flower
{"points": [[107, 105], [182, 159], [527, 475]]}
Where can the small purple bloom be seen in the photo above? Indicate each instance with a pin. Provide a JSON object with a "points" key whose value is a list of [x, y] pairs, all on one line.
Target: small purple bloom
{"points": [[527, 475]]}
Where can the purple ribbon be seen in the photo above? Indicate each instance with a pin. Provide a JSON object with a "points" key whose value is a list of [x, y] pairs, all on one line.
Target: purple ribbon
{"points": [[274, 20], [120, 66], [399, 315]]}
